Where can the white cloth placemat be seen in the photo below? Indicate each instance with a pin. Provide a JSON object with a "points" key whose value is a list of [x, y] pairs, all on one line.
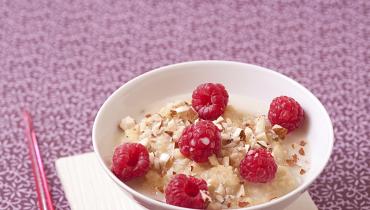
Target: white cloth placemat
{"points": [[87, 187]]}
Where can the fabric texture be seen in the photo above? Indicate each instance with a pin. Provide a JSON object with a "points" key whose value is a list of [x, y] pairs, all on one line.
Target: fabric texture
{"points": [[61, 59]]}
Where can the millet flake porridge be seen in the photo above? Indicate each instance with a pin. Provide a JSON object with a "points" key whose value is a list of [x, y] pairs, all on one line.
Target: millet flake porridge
{"points": [[239, 159]]}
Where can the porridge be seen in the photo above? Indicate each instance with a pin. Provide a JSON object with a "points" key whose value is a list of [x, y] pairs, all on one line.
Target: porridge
{"points": [[208, 154]]}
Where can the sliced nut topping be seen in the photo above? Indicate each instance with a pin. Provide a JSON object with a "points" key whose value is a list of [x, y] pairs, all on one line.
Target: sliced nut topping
{"points": [[241, 192], [182, 109], [205, 195], [127, 123], [302, 171], [220, 189], [302, 143], [218, 126], [247, 148], [248, 133], [301, 151], [243, 204], [280, 131], [144, 141], [226, 161], [262, 136], [262, 144], [163, 158], [218, 120], [220, 198], [293, 161], [236, 134], [260, 124], [213, 160]]}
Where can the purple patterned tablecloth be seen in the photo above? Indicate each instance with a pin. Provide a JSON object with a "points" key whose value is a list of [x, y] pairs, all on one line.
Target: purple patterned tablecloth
{"points": [[61, 59]]}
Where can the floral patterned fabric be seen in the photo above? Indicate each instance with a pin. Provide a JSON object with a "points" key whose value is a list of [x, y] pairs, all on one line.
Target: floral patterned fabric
{"points": [[61, 59]]}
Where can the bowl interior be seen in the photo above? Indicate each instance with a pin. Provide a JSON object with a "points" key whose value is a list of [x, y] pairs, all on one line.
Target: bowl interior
{"points": [[240, 79]]}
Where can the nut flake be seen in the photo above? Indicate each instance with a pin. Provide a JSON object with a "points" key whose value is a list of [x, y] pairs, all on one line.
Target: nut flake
{"points": [[218, 120], [226, 161], [145, 142], [127, 123], [301, 151], [302, 171], [242, 204], [236, 134], [241, 192], [205, 195], [280, 131], [262, 144], [213, 160], [163, 158], [220, 189], [302, 143], [260, 124]]}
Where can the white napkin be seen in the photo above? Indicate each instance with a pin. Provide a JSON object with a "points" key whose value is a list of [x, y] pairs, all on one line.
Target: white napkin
{"points": [[87, 187]]}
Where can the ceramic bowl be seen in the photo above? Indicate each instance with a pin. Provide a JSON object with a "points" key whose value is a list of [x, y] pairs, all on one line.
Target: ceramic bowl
{"points": [[240, 79]]}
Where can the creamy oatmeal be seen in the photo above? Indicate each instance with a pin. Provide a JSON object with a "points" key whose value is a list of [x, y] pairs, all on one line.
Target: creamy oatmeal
{"points": [[240, 132]]}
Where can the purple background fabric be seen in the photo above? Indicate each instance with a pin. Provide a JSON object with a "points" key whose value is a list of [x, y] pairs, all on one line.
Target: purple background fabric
{"points": [[61, 59]]}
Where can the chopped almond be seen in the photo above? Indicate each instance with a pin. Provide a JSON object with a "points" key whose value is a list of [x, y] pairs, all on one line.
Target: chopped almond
{"points": [[293, 161], [302, 171], [301, 151], [243, 204], [302, 143], [280, 131]]}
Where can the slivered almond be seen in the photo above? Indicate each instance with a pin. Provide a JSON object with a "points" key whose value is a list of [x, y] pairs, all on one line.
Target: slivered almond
{"points": [[213, 160], [280, 131], [262, 144]]}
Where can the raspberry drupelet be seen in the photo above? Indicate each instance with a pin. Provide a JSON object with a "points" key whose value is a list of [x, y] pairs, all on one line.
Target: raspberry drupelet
{"points": [[258, 166], [209, 100], [200, 140], [130, 160], [184, 191]]}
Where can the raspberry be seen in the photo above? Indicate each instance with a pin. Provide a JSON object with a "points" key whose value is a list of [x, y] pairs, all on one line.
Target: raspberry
{"points": [[130, 160], [286, 112], [209, 100], [200, 140], [258, 165], [184, 191]]}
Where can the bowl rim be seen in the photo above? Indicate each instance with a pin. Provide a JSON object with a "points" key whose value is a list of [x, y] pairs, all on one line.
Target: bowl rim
{"points": [[300, 189]]}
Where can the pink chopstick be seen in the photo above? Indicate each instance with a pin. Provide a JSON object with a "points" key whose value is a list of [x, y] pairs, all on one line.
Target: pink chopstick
{"points": [[43, 195]]}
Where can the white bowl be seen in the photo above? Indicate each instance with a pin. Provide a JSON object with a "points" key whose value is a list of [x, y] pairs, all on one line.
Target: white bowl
{"points": [[239, 78]]}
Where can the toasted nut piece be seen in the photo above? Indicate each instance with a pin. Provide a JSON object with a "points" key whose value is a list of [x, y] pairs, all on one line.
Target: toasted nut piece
{"points": [[280, 131], [213, 160], [260, 124], [241, 192], [226, 161], [127, 123], [220, 189]]}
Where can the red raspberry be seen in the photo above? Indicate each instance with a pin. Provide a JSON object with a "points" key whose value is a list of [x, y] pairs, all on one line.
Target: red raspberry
{"points": [[209, 100], [258, 165], [184, 191], [286, 112], [200, 140], [130, 160]]}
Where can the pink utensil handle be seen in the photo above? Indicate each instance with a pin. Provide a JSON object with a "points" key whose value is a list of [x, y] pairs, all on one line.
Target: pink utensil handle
{"points": [[43, 194]]}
